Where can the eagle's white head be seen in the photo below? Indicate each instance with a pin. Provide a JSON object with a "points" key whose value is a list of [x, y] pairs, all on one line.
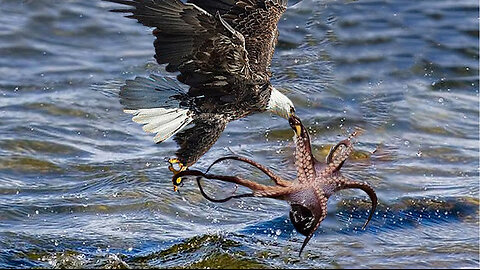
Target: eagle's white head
{"points": [[280, 104]]}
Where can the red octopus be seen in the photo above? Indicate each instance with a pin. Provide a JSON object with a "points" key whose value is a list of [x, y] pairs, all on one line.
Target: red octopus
{"points": [[308, 194]]}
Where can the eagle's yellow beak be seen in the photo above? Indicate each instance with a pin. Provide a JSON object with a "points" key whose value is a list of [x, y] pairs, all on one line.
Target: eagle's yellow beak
{"points": [[298, 130], [295, 122]]}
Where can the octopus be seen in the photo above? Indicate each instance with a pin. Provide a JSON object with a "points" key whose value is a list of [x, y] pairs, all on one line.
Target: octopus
{"points": [[308, 194]]}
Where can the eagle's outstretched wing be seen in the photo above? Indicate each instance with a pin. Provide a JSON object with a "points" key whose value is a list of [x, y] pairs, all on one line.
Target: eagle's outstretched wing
{"points": [[257, 20], [208, 52]]}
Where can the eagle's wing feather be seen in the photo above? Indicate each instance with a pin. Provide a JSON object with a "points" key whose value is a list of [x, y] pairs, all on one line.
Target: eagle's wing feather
{"points": [[214, 6], [209, 54], [258, 21]]}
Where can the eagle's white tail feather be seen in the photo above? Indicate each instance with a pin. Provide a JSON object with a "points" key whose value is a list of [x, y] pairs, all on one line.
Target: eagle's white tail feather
{"points": [[154, 116], [164, 122]]}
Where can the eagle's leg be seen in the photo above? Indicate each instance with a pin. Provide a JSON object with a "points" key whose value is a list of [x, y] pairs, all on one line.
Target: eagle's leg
{"points": [[178, 180]]}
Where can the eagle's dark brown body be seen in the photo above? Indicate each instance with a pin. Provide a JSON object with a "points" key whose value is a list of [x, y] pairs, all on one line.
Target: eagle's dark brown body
{"points": [[222, 50]]}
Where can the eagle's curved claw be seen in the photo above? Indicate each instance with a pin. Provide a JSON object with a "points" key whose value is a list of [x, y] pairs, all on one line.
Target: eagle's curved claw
{"points": [[177, 181]]}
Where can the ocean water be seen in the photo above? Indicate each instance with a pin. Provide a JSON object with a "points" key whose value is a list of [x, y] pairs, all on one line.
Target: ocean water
{"points": [[81, 185]]}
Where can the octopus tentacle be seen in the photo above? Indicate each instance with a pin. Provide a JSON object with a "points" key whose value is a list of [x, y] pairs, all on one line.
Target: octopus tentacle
{"points": [[340, 153], [231, 179], [310, 235], [337, 153], [304, 159], [307, 239], [206, 196], [277, 179], [347, 184], [259, 190], [278, 191], [337, 156]]}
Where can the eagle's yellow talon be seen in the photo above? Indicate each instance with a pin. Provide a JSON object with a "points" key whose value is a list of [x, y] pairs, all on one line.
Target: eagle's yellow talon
{"points": [[174, 161], [178, 181], [181, 167]]}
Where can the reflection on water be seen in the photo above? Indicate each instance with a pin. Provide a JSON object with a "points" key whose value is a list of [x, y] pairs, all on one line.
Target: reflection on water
{"points": [[83, 186]]}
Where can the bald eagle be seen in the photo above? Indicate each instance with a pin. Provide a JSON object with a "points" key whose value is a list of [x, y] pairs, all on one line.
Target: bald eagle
{"points": [[222, 50]]}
